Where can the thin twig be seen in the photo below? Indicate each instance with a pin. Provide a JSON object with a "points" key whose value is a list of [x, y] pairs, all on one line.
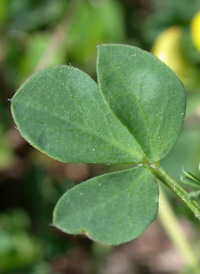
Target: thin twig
{"points": [[59, 35]]}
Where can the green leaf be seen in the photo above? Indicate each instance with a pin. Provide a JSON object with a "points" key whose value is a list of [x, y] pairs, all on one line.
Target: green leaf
{"points": [[134, 116], [194, 195], [145, 95], [189, 182], [111, 209], [191, 176], [61, 112]]}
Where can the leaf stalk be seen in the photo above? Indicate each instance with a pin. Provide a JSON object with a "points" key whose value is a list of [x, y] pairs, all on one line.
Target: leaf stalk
{"points": [[172, 184]]}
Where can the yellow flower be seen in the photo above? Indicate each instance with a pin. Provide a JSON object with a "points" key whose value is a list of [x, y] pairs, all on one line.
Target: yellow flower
{"points": [[167, 47], [195, 30]]}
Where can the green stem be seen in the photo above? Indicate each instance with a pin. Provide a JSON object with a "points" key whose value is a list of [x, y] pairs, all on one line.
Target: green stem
{"points": [[175, 232], [177, 189]]}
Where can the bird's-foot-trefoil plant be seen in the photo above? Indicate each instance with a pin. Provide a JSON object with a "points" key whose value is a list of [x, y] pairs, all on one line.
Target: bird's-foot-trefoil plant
{"points": [[134, 115]]}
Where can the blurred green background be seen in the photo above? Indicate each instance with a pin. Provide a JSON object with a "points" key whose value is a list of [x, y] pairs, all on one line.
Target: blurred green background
{"points": [[37, 34]]}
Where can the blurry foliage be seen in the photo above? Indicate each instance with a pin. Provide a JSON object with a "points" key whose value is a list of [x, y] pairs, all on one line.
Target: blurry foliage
{"points": [[102, 22], [27, 15], [36, 47], [30, 186], [166, 14], [25, 237], [30, 28], [17, 247], [6, 153]]}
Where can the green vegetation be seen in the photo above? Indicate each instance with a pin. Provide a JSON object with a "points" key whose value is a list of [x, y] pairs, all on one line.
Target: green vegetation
{"points": [[134, 115], [57, 35]]}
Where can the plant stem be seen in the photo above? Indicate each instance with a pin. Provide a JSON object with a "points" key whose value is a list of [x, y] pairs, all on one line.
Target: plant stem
{"points": [[177, 189], [175, 232], [59, 35]]}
